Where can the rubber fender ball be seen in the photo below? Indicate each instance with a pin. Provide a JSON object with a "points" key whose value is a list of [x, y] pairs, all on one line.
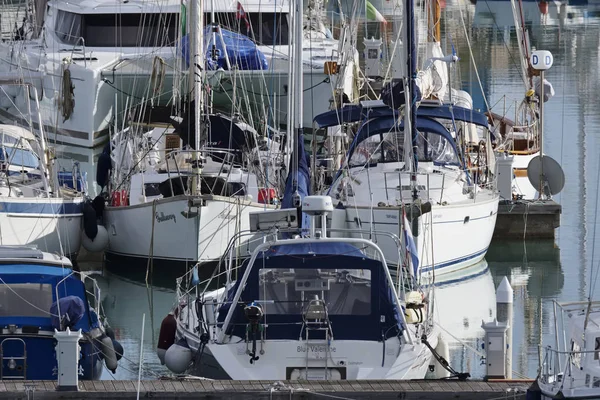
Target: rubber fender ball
{"points": [[178, 357], [90, 226], [118, 349], [166, 337], [99, 243], [108, 350]]}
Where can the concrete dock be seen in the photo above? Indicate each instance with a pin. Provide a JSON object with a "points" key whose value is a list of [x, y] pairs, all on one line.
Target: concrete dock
{"points": [[527, 219], [216, 390]]}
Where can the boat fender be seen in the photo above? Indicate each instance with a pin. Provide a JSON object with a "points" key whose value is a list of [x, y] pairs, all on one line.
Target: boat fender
{"points": [[97, 244], [166, 337], [118, 349], [90, 227], [99, 203], [439, 372], [108, 351], [178, 357]]}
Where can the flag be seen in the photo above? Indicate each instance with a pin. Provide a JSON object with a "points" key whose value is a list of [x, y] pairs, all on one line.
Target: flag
{"points": [[373, 14], [411, 247], [241, 14]]}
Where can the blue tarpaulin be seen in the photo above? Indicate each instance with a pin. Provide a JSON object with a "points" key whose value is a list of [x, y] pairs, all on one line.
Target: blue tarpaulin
{"points": [[71, 307], [241, 51]]}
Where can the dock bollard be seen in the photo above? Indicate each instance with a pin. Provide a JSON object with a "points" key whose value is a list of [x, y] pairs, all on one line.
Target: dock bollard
{"points": [[504, 313], [495, 349], [67, 356]]}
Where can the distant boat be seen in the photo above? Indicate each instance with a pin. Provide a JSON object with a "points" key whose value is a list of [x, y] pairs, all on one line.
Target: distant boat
{"points": [[40, 293], [39, 205]]}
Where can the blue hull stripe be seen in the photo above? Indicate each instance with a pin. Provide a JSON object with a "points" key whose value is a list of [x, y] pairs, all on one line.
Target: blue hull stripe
{"points": [[455, 261], [443, 283], [41, 208]]}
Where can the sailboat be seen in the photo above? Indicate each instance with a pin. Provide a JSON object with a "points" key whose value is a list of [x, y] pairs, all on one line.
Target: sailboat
{"points": [[39, 205], [180, 190], [407, 166]]}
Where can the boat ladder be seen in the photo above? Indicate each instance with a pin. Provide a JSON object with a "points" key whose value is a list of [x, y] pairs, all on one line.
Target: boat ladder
{"points": [[12, 364]]}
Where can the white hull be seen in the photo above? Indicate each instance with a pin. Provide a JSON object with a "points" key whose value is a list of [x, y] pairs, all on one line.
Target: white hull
{"points": [[53, 225], [521, 184], [460, 235], [350, 359], [169, 229]]}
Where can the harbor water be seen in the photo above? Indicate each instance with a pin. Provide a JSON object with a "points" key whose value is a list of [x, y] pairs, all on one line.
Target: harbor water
{"points": [[539, 272]]}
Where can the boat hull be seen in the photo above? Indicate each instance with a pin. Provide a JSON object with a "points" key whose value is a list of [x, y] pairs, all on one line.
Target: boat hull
{"points": [[53, 225], [438, 253], [173, 234]]}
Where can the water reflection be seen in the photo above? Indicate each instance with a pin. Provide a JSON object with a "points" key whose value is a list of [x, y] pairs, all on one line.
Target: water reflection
{"points": [[461, 304], [534, 271], [124, 303]]}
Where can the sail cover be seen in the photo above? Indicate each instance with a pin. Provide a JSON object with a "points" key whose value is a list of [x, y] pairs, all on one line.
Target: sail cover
{"points": [[241, 51]]}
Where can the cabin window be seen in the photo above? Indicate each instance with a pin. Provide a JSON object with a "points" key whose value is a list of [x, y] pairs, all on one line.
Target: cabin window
{"points": [[597, 349], [25, 300], [19, 157], [152, 189], [269, 29], [289, 291], [117, 30], [389, 147], [219, 187]]}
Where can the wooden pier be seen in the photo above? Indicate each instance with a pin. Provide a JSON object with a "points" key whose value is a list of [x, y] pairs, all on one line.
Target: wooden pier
{"points": [[527, 219], [216, 390]]}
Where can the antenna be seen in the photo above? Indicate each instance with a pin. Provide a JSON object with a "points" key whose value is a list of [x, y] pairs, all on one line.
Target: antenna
{"points": [[546, 174]]}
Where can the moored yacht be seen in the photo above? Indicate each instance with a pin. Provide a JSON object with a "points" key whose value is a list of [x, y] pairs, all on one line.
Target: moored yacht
{"points": [[313, 307]]}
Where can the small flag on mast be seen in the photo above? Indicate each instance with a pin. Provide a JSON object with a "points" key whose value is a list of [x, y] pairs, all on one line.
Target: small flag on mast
{"points": [[373, 13], [241, 14]]}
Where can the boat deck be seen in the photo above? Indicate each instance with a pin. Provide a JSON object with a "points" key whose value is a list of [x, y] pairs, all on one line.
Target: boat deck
{"points": [[215, 390]]}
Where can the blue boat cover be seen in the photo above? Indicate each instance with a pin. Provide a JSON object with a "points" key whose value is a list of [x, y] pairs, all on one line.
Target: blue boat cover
{"points": [[355, 113], [300, 175], [382, 320], [71, 311], [312, 248], [241, 51], [381, 125]]}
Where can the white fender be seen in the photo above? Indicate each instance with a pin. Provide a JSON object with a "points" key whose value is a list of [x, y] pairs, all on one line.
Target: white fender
{"points": [[178, 357], [108, 350], [98, 244]]}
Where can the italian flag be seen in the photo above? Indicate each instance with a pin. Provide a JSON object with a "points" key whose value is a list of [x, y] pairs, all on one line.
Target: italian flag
{"points": [[373, 13]]}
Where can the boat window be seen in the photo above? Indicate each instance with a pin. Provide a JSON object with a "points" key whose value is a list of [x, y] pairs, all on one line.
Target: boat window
{"points": [[597, 349], [25, 300], [218, 186], [117, 30], [269, 29], [19, 157], [289, 291], [389, 147], [152, 189]]}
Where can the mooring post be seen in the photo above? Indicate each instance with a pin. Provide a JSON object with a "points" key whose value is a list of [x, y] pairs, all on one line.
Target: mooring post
{"points": [[504, 314], [67, 356]]}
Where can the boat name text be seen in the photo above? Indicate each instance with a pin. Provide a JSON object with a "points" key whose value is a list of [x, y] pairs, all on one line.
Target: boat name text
{"points": [[161, 217]]}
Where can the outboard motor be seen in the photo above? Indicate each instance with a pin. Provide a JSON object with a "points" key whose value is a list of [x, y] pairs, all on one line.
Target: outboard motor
{"points": [[254, 314]]}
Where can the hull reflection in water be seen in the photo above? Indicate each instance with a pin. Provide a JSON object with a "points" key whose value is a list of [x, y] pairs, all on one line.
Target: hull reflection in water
{"points": [[462, 301], [124, 303]]}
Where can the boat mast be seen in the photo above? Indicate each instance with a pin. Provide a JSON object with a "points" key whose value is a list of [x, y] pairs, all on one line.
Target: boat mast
{"points": [[410, 118], [298, 89], [196, 76]]}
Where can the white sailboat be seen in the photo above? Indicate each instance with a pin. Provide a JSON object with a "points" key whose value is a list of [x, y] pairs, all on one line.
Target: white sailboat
{"points": [[96, 59], [179, 204], [39, 205], [408, 167], [313, 308]]}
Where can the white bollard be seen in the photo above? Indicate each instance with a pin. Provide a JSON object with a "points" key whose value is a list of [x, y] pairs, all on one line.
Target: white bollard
{"points": [[67, 356], [495, 349], [504, 313]]}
